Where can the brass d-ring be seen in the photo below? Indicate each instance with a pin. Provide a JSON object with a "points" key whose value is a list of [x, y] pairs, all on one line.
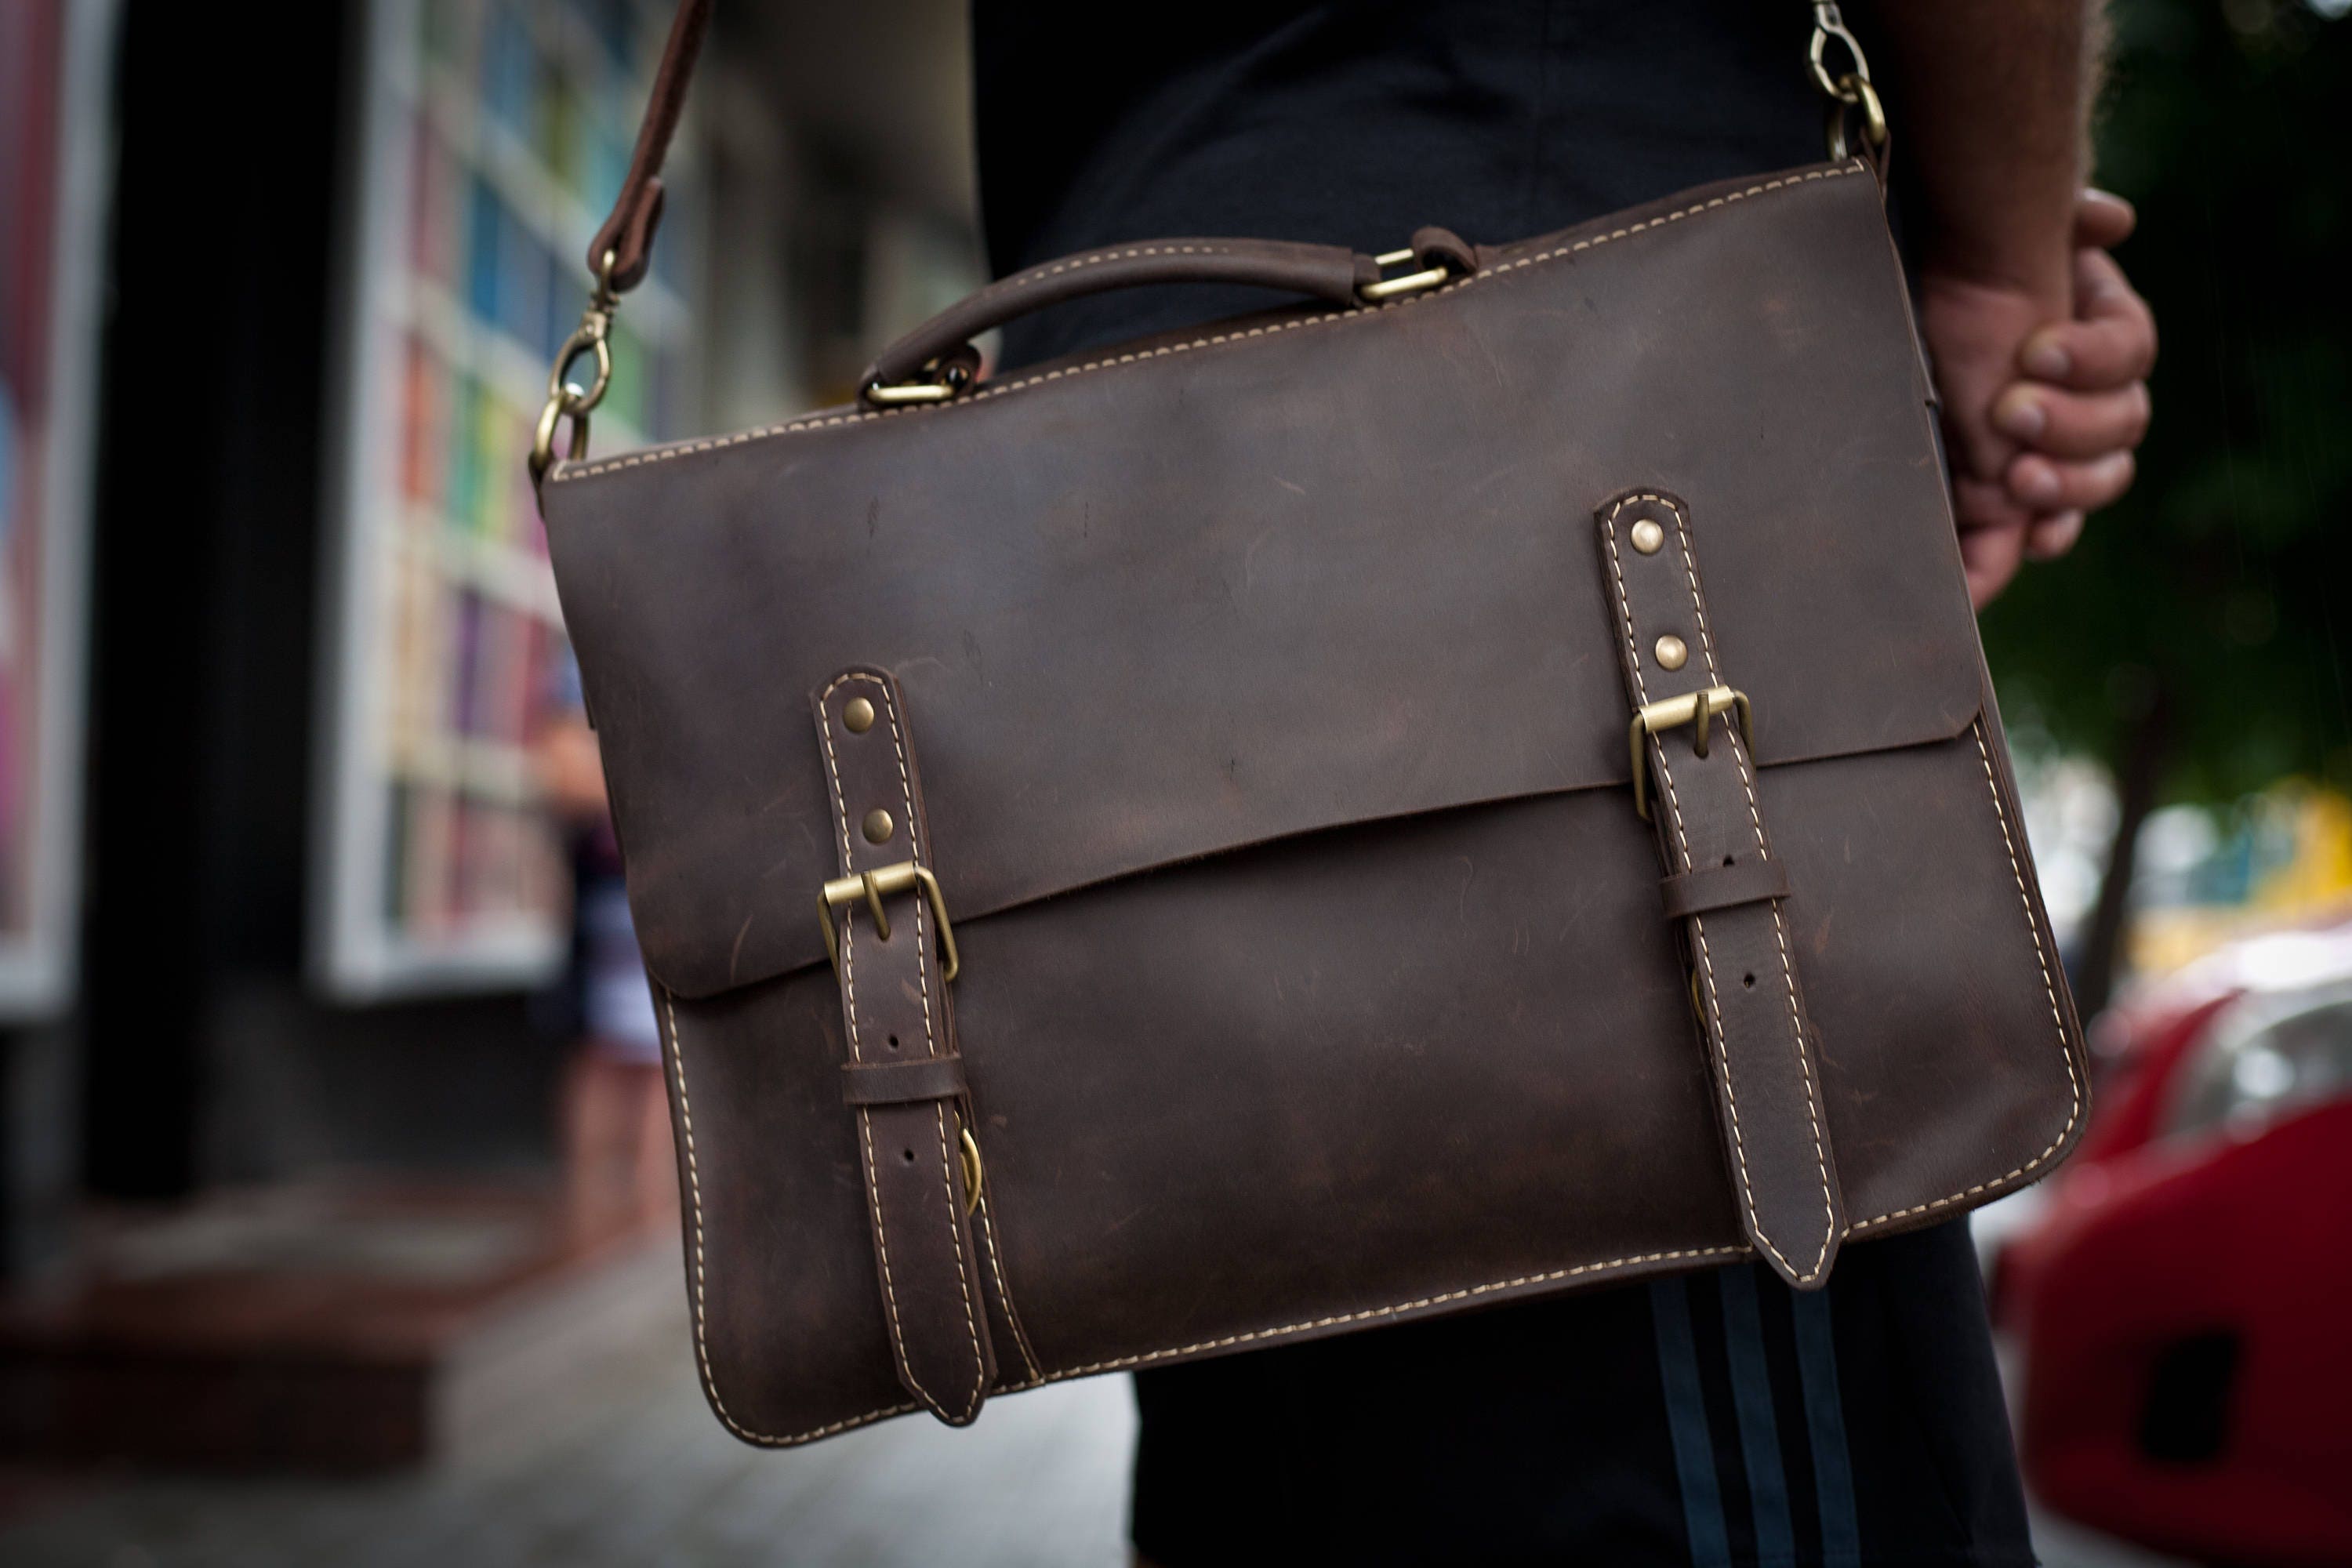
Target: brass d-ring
{"points": [[591, 336], [973, 1176], [542, 443], [1874, 116]]}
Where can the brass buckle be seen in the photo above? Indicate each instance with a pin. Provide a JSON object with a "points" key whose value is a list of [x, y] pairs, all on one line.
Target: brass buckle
{"points": [[946, 380], [875, 886], [1397, 287], [1698, 708]]}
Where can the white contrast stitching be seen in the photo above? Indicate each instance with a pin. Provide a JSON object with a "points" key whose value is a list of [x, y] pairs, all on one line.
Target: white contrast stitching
{"points": [[1035, 274], [1733, 738], [2057, 1018], [564, 472], [1471, 1292], [930, 1040]]}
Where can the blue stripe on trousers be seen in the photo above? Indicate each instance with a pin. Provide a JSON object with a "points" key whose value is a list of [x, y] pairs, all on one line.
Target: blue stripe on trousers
{"points": [[1710, 1546], [1759, 1437], [1826, 1429]]}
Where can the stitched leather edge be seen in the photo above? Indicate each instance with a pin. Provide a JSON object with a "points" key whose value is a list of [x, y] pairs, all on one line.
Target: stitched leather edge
{"points": [[564, 471], [694, 1193], [1004, 1295], [2057, 1018]]}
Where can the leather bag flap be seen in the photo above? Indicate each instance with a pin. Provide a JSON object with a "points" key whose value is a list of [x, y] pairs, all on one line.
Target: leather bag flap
{"points": [[1328, 569]]}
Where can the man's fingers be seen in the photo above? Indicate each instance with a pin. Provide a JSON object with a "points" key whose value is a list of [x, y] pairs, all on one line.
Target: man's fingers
{"points": [[2045, 484], [2103, 219], [2077, 424], [2102, 293], [1977, 505], [2111, 343], [1993, 535], [1990, 556], [2052, 536]]}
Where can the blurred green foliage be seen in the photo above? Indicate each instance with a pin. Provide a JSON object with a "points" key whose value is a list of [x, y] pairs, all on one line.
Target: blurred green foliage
{"points": [[2224, 582]]}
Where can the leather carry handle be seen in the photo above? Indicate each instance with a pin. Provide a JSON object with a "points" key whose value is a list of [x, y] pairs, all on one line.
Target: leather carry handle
{"points": [[1327, 272]]}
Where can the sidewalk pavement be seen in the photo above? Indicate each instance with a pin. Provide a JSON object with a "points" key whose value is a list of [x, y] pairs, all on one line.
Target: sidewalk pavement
{"points": [[621, 1464], [618, 1462]]}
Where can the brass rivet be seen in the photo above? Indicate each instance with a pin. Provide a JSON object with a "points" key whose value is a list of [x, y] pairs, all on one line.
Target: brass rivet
{"points": [[1648, 536], [1672, 652], [878, 826], [858, 716]]}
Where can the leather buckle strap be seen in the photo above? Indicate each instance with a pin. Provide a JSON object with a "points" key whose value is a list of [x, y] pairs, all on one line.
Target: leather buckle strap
{"points": [[1697, 708], [904, 1078], [1725, 885], [874, 887], [902, 1083]]}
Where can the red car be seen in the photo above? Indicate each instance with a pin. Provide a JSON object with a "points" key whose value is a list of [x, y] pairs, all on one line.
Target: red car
{"points": [[2184, 1302]]}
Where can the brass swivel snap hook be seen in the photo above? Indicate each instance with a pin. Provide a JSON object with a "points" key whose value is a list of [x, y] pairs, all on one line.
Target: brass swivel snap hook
{"points": [[591, 336], [1847, 89]]}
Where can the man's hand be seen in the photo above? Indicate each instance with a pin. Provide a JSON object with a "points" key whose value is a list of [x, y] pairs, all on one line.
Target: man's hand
{"points": [[1992, 98], [2084, 407], [2044, 398]]}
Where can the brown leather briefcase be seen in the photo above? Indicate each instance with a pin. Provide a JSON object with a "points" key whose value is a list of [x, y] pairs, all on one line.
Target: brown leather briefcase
{"points": [[1479, 785]]}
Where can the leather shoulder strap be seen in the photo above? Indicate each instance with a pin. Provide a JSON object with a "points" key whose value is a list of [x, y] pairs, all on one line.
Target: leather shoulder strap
{"points": [[628, 231]]}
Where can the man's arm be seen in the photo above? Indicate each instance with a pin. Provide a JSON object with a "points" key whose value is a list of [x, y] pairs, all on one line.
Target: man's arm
{"points": [[1991, 103]]}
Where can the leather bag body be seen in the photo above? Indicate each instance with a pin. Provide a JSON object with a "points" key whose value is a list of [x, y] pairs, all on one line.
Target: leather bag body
{"points": [[1262, 705]]}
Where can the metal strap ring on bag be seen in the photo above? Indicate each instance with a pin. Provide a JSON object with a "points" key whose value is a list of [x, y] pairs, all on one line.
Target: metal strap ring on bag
{"points": [[591, 336], [1845, 85]]}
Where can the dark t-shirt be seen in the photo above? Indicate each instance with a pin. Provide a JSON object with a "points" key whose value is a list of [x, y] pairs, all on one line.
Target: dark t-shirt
{"points": [[1716, 1419], [1357, 123]]}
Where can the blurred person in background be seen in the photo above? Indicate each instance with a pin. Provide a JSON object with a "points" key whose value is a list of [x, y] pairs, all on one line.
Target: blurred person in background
{"points": [[619, 1168], [1721, 1417]]}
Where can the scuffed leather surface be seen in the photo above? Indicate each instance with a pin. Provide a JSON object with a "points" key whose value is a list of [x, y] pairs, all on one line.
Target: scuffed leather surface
{"points": [[1401, 1063], [1322, 575], [1307, 627]]}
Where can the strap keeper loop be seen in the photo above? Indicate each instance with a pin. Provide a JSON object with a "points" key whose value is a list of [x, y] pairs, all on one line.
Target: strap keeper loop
{"points": [[902, 1083]]}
